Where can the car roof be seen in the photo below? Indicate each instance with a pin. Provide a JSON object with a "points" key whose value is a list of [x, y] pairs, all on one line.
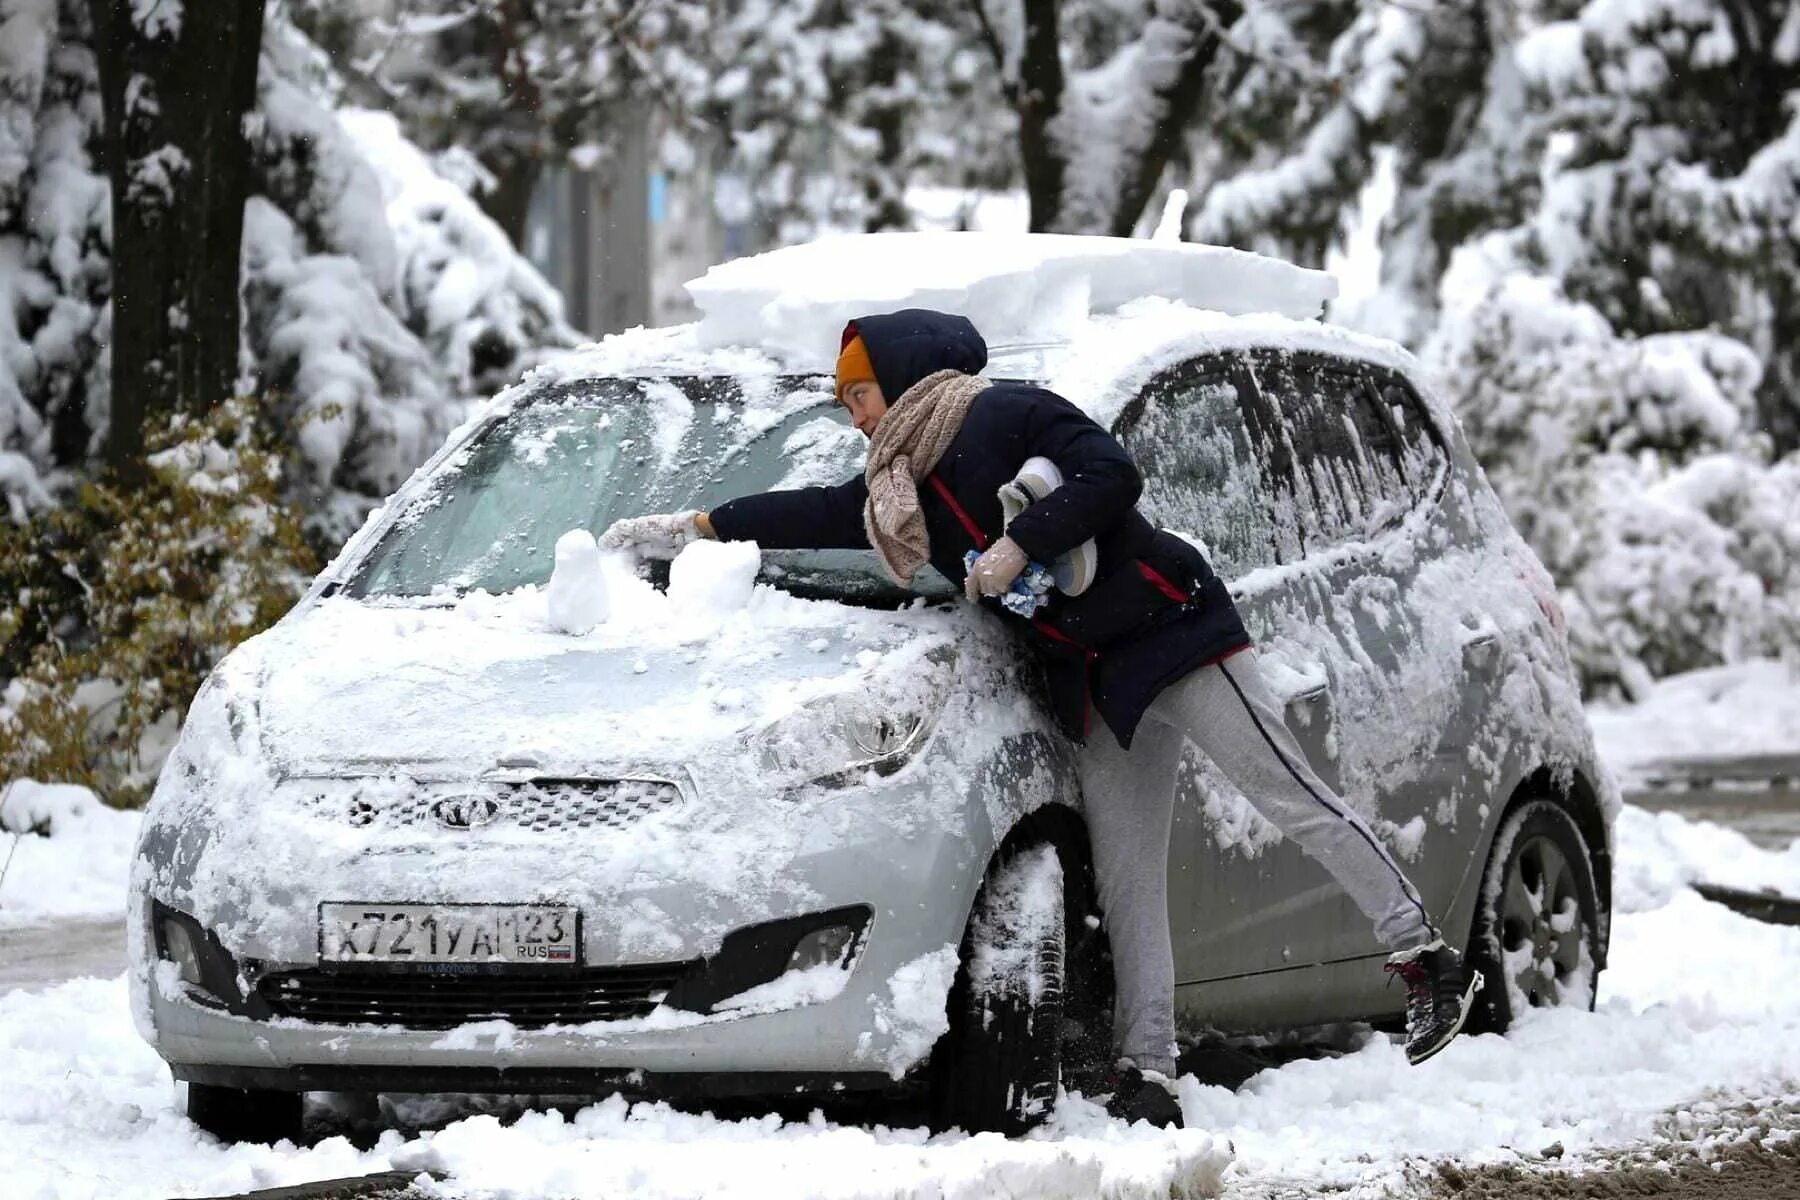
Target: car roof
{"points": [[1092, 318]]}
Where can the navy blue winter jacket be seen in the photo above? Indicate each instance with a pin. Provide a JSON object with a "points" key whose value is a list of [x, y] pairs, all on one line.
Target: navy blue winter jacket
{"points": [[1155, 610]]}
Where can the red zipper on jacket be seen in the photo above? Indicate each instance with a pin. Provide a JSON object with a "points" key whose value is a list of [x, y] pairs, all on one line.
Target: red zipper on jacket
{"points": [[1161, 583], [968, 522]]}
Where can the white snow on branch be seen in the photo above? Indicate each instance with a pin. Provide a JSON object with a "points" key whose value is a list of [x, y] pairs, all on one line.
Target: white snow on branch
{"points": [[157, 18]]}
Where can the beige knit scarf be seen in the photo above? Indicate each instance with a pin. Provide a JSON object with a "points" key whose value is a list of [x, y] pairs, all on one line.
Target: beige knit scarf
{"points": [[912, 436]]}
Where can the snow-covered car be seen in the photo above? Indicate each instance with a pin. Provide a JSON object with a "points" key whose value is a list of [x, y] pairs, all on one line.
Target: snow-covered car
{"points": [[773, 825]]}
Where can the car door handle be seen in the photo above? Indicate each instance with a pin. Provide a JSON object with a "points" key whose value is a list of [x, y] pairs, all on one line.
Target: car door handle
{"points": [[1480, 646], [1309, 703]]}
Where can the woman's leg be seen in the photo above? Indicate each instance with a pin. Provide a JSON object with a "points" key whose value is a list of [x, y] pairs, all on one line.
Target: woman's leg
{"points": [[1129, 798], [1229, 711]]}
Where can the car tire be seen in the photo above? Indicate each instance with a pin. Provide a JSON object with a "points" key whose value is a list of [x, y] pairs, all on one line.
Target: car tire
{"points": [[245, 1114], [999, 1067], [1537, 921]]}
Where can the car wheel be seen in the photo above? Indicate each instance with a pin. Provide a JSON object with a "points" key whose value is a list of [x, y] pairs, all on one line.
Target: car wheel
{"points": [[1537, 924], [1001, 1062], [245, 1115]]}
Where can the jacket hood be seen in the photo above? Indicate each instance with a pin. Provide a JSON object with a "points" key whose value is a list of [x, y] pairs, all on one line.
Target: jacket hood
{"points": [[908, 345]]}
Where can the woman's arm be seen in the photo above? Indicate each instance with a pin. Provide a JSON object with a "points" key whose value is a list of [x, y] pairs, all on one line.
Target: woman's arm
{"points": [[815, 518], [1100, 482]]}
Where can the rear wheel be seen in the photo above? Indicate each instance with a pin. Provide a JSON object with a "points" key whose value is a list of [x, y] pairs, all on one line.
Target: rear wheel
{"points": [[1537, 925], [245, 1114], [1001, 1063]]}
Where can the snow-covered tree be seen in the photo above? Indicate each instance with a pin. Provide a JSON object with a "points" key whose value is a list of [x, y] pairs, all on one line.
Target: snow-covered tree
{"points": [[1592, 238], [1674, 197], [831, 109], [55, 237], [517, 85], [378, 299], [1102, 91], [810, 114]]}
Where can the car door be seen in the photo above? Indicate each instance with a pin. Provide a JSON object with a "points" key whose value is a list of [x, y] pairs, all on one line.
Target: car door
{"points": [[1291, 472]]}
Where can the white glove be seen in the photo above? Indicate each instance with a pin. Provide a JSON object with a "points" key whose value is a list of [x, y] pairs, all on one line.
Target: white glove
{"points": [[993, 573], [658, 535]]}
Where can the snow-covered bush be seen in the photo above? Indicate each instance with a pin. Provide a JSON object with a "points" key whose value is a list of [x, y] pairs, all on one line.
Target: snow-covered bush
{"points": [[1633, 466], [125, 598]]}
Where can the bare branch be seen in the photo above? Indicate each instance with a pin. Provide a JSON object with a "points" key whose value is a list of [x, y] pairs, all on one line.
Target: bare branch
{"points": [[1008, 85]]}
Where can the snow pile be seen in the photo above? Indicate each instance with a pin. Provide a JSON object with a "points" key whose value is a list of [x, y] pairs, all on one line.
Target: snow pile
{"points": [[913, 1017], [713, 579], [1014, 287], [69, 853], [1660, 854], [1746, 708], [575, 597], [92, 1115]]}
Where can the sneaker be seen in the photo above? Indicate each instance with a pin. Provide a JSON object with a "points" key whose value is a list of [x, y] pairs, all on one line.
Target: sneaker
{"points": [[1438, 996], [1143, 1096]]}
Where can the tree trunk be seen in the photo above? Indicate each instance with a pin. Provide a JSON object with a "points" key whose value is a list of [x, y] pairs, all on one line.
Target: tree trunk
{"points": [[176, 82], [509, 201], [1177, 100], [1038, 99], [1179, 46]]}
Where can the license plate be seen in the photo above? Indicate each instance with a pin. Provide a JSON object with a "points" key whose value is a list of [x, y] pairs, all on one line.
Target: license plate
{"points": [[532, 934]]}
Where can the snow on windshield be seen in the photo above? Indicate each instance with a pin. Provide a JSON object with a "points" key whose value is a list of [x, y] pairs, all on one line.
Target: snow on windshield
{"points": [[584, 455]]}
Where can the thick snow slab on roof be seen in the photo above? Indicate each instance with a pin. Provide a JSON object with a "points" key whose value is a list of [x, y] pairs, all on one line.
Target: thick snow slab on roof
{"points": [[1016, 287]]}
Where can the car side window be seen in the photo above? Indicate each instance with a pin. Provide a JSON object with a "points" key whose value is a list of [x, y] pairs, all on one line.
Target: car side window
{"points": [[1354, 467], [1422, 454], [1192, 438]]}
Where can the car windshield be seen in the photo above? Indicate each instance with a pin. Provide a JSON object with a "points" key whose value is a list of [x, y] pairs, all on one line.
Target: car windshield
{"points": [[583, 455]]}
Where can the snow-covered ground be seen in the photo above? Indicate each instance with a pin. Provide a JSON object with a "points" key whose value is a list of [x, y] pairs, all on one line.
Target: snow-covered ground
{"points": [[1697, 1009], [79, 871], [1744, 709]]}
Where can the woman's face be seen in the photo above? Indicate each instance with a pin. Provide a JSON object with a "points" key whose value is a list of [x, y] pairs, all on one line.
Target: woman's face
{"points": [[866, 404]]}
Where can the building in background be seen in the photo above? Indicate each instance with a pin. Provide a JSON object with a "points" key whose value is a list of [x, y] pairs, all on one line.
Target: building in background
{"points": [[619, 240]]}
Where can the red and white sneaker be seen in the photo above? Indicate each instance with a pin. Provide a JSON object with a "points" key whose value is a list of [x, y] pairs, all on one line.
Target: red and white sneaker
{"points": [[1439, 994]]}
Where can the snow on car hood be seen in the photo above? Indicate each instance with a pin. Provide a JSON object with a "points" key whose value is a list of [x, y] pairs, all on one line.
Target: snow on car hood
{"points": [[482, 681]]}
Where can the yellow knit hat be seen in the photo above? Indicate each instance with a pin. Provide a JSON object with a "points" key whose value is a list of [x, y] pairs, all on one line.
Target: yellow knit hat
{"points": [[853, 365]]}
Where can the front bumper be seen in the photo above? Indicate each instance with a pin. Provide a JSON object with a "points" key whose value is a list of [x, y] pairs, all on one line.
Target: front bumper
{"points": [[916, 884]]}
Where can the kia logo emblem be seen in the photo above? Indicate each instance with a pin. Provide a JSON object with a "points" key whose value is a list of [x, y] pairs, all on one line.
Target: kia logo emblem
{"points": [[465, 812]]}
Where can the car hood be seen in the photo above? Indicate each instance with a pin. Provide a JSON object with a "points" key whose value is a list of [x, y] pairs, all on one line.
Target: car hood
{"points": [[349, 687]]}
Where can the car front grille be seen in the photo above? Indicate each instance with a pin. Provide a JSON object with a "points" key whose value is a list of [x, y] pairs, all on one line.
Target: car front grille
{"points": [[430, 1000], [540, 805]]}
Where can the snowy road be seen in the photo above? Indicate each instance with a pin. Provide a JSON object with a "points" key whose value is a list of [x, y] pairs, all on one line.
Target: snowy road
{"points": [[1698, 1013], [40, 955]]}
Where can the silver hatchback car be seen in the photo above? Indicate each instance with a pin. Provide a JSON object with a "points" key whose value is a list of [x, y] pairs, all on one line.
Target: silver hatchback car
{"points": [[775, 826]]}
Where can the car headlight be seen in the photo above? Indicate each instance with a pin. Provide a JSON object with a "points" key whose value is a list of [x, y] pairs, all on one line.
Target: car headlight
{"points": [[838, 739]]}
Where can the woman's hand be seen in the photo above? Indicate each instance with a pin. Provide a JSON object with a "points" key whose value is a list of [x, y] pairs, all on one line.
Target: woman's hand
{"points": [[993, 573], [658, 535]]}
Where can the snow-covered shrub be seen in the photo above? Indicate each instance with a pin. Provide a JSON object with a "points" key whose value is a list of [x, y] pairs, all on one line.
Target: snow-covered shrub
{"points": [[1633, 466], [128, 596]]}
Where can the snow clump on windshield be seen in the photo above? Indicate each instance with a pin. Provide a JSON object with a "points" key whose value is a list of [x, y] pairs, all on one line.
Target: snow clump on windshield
{"points": [[575, 597], [714, 578]]}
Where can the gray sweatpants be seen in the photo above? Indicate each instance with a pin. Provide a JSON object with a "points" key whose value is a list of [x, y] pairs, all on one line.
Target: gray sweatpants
{"points": [[1228, 712]]}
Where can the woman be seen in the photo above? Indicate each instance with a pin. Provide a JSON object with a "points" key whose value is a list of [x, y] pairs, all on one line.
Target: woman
{"points": [[1155, 644]]}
